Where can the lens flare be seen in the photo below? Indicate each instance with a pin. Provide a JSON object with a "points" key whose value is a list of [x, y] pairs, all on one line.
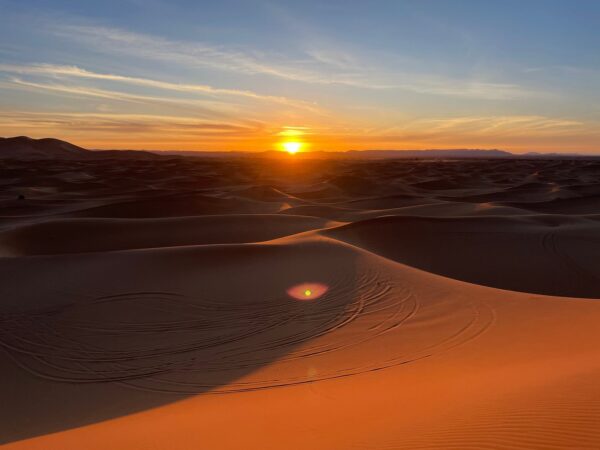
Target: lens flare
{"points": [[307, 291]]}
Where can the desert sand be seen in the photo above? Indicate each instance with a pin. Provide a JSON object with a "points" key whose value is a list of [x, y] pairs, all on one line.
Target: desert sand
{"points": [[184, 303]]}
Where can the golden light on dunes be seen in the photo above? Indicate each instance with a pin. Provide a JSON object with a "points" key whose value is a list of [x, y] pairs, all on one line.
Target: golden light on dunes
{"points": [[292, 147]]}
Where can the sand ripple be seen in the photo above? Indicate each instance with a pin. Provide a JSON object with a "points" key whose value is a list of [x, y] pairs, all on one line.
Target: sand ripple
{"points": [[167, 342]]}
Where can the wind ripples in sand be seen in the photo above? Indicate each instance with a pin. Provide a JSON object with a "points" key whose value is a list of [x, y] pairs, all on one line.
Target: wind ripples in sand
{"points": [[165, 342]]}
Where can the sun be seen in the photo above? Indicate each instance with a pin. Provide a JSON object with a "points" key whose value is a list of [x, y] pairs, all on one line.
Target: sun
{"points": [[292, 147]]}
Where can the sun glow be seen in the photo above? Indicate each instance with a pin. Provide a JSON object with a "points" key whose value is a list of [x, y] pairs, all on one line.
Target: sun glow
{"points": [[292, 147]]}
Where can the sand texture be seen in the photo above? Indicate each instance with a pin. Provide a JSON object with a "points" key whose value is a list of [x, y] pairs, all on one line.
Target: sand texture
{"points": [[242, 303]]}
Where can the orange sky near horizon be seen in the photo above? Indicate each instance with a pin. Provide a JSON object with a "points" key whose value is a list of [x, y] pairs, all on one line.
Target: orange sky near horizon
{"points": [[163, 127], [317, 144], [262, 140]]}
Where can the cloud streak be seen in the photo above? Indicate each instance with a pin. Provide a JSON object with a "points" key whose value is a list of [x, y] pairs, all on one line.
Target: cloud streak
{"points": [[116, 40], [77, 72], [198, 107], [109, 125], [316, 66], [504, 125]]}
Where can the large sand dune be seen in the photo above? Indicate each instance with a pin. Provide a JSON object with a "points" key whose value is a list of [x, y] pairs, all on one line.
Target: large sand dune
{"points": [[268, 304]]}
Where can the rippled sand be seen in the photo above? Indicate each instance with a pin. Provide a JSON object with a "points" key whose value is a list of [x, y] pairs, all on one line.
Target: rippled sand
{"points": [[300, 304]]}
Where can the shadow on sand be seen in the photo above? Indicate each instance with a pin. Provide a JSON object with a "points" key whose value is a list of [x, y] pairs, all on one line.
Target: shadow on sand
{"points": [[167, 324]]}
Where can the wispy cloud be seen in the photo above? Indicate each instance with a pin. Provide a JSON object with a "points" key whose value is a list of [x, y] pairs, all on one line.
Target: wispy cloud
{"points": [[523, 132], [315, 65], [190, 53], [499, 125], [74, 71], [469, 89], [198, 107], [132, 125]]}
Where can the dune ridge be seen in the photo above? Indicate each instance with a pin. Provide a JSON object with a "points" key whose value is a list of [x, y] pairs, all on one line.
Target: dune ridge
{"points": [[146, 304]]}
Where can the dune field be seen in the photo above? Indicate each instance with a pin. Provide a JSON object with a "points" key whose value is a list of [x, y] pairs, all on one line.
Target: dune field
{"points": [[229, 303]]}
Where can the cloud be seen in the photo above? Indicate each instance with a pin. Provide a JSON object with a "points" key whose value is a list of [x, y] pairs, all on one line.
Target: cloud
{"points": [[514, 132], [314, 65], [152, 125], [116, 40], [335, 58], [469, 89], [74, 71], [531, 125], [196, 106], [490, 126]]}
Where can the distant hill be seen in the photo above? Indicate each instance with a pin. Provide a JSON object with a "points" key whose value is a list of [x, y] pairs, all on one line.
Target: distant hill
{"points": [[432, 153], [381, 154], [23, 147], [356, 154], [26, 148]]}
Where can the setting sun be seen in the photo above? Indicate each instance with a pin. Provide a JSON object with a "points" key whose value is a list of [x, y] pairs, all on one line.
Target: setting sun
{"points": [[292, 147]]}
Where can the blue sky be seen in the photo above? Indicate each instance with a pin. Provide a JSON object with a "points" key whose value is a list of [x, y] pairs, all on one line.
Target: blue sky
{"points": [[338, 75]]}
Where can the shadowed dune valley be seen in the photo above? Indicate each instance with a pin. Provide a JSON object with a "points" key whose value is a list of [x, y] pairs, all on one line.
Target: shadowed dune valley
{"points": [[225, 303], [299, 225]]}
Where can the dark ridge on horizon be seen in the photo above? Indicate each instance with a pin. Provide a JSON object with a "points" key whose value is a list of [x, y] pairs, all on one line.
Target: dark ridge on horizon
{"points": [[382, 154], [352, 154], [26, 148]]}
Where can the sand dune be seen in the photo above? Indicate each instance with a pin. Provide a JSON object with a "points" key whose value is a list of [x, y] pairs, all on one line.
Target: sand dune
{"points": [[181, 304], [548, 254], [98, 235]]}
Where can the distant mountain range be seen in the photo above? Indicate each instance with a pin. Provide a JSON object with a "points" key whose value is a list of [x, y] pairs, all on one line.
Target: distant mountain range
{"points": [[25, 148], [456, 153]]}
